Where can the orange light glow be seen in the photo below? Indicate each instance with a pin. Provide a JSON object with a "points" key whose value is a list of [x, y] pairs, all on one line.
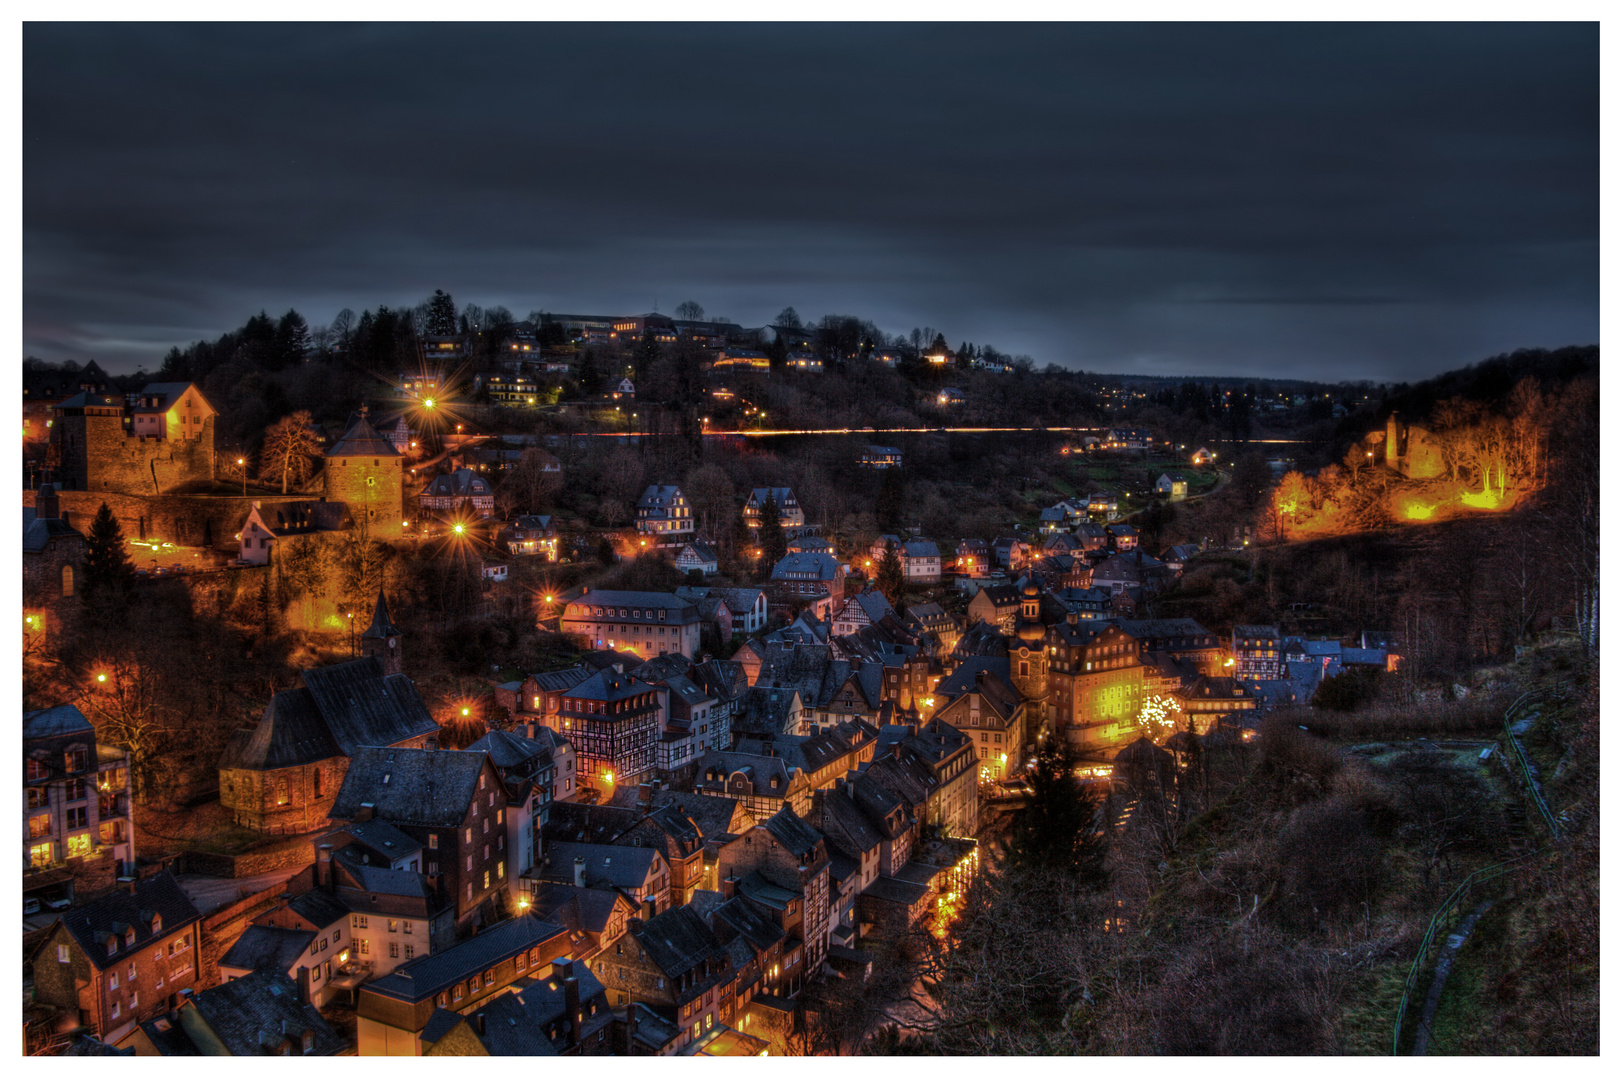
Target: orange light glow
{"points": [[102, 677], [1481, 500], [1417, 511]]}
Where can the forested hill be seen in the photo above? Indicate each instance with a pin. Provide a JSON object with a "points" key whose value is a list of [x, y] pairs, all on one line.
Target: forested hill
{"points": [[1492, 381]]}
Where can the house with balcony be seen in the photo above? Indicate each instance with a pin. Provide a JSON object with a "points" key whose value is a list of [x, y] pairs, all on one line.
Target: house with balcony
{"points": [[78, 833]]}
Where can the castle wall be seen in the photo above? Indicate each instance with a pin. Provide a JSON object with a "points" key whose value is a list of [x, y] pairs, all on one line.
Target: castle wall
{"points": [[189, 520], [97, 454]]}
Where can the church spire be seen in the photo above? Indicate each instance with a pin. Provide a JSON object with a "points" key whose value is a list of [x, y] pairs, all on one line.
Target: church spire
{"points": [[382, 638]]}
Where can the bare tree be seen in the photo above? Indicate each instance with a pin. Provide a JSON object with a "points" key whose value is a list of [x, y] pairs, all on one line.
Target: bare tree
{"points": [[690, 310], [290, 449]]}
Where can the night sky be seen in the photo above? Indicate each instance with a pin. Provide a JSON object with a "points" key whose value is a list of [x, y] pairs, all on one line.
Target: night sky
{"points": [[1318, 201]]}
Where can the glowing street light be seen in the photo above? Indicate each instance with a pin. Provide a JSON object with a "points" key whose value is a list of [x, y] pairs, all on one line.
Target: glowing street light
{"points": [[243, 465], [466, 711], [101, 676], [427, 404], [458, 528]]}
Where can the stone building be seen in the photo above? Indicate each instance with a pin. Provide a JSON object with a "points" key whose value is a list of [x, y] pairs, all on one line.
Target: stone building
{"points": [[281, 775], [53, 553], [164, 442], [366, 473]]}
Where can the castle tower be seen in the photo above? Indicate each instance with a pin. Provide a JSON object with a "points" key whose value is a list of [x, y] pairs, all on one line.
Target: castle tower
{"points": [[365, 473], [1393, 442], [382, 638]]}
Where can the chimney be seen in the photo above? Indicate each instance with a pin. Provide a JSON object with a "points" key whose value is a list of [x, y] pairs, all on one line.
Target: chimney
{"points": [[644, 797], [67, 518], [478, 1022], [367, 810], [562, 967], [631, 1008], [728, 888], [579, 871], [323, 866], [571, 1002], [303, 985], [648, 912], [46, 503]]}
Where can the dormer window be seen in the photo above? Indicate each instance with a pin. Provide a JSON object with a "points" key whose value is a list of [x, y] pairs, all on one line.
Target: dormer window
{"points": [[157, 923], [129, 936]]}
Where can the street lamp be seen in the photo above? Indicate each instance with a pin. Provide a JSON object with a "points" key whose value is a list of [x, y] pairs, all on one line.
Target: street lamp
{"points": [[351, 618], [242, 464]]}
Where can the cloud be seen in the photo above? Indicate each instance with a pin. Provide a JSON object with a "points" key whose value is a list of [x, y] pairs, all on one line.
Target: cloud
{"points": [[1242, 198]]}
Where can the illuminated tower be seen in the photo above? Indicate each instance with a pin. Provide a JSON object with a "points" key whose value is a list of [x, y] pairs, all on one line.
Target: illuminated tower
{"points": [[366, 474], [1027, 653]]}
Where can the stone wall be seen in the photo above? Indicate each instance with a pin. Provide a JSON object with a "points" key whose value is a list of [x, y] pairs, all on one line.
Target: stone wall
{"points": [[254, 798], [373, 486], [190, 520], [98, 455]]}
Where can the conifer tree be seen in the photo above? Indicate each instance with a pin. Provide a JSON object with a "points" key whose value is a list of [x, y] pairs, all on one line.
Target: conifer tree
{"points": [[1057, 831], [773, 542], [441, 314], [891, 579], [109, 575]]}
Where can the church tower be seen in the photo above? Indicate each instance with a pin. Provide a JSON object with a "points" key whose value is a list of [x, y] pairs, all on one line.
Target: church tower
{"points": [[382, 638], [1027, 652]]}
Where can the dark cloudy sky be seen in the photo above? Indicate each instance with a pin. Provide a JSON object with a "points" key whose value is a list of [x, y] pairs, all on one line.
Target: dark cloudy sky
{"points": [[1316, 200]]}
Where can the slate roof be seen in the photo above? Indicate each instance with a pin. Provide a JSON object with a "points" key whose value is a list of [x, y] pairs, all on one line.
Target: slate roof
{"points": [[713, 814], [609, 685], [806, 566], [576, 910], [267, 947], [362, 440], [159, 894], [845, 824], [60, 720], [792, 831], [321, 907], [921, 549], [417, 787], [253, 1014], [362, 707], [933, 742], [605, 864], [378, 881], [676, 941], [41, 531], [585, 823], [461, 484], [425, 976], [559, 681], [896, 891], [383, 838], [743, 917], [759, 769], [516, 1024]]}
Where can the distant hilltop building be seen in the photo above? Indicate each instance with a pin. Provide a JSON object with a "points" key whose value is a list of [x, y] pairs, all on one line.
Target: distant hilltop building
{"points": [[1408, 449], [149, 443]]}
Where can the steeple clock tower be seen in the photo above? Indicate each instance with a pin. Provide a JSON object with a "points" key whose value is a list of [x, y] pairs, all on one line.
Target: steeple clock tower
{"points": [[382, 638]]}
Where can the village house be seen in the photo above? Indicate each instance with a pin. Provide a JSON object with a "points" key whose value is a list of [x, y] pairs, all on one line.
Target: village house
{"points": [[789, 512], [1123, 537], [1184, 639], [78, 828], [664, 513], [973, 556], [950, 758], [979, 699], [803, 361], [1257, 652], [644, 623], [642, 874], [747, 606], [563, 1014], [593, 918], [673, 963], [934, 619], [880, 457], [1202, 456], [948, 397], [152, 443], [812, 576], [866, 608], [613, 720], [1209, 698], [920, 559], [763, 784], [127, 957], [260, 1014], [531, 534], [752, 361], [995, 605], [1096, 679], [1173, 485], [462, 490], [699, 556], [450, 801], [404, 1013], [790, 855], [528, 769]]}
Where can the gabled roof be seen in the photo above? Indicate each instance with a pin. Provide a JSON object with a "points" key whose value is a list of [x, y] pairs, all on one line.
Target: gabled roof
{"points": [[461, 484], [676, 941], [845, 824], [418, 787], [383, 838], [576, 910], [621, 867], [558, 681], [747, 920], [362, 440], [61, 720], [319, 907], [427, 975], [806, 565], [291, 732], [363, 707], [268, 948], [792, 831], [253, 1015], [509, 750], [159, 894]]}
